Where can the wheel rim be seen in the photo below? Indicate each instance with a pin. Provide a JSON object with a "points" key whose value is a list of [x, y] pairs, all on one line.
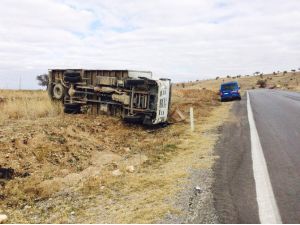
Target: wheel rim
{"points": [[58, 91]]}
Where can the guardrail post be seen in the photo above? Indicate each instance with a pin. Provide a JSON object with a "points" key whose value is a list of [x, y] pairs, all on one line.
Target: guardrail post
{"points": [[192, 119]]}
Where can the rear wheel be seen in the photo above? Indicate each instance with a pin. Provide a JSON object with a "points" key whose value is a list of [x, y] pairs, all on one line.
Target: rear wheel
{"points": [[72, 76], [71, 73], [72, 79], [72, 108], [148, 120], [134, 82], [133, 119]]}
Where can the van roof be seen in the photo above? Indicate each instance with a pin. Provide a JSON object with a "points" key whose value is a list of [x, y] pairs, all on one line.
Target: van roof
{"points": [[231, 82]]}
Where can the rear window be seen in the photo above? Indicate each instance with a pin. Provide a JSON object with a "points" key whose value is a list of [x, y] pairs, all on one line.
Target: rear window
{"points": [[229, 87]]}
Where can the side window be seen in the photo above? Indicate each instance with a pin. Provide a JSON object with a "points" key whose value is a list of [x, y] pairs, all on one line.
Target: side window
{"points": [[161, 103]]}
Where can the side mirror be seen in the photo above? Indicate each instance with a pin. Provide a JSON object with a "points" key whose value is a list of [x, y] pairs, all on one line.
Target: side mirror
{"points": [[239, 88]]}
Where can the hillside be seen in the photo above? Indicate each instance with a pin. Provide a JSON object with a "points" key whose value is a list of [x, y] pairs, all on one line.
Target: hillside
{"points": [[288, 81]]}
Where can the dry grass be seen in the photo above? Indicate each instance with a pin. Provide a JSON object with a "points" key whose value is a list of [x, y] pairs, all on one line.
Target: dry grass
{"points": [[202, 100], [149, 195], [26, 105], [70, 160]]}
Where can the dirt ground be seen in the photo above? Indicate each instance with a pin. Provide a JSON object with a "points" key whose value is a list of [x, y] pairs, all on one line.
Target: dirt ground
{"points": [[82, 169]]}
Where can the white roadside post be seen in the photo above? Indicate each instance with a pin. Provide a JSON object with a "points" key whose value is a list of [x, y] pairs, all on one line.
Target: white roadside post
{"points": [[192, 119]]}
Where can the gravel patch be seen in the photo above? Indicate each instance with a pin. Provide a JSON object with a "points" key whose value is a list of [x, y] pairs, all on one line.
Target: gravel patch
{"points": [[195, 201]]}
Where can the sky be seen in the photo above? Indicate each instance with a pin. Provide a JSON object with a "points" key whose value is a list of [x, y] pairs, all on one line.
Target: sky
{"points": [[183, 40]]}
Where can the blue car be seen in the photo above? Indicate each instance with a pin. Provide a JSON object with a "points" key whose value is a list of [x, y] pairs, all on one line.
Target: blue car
{"points": [[230, 91]]}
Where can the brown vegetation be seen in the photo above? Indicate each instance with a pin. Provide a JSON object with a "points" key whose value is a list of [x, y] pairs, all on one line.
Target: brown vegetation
{"points": [[64, 164], [28, 105], [261, 83]]}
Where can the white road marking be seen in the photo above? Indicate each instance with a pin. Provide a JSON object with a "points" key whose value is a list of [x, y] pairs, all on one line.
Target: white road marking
{"points": [[267, 206]]}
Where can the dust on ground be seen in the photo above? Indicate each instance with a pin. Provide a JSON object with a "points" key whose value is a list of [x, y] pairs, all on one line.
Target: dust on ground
{"points": [[83, 169]]}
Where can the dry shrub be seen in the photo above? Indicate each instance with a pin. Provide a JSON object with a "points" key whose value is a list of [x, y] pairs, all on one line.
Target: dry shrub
{"points": [[92, 185], [20, 190], [202, 95], [262, 83], [47, 188], [41, 153]]}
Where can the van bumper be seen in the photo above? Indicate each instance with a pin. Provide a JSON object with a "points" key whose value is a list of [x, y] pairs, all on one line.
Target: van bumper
{"points": [[231, 97]]}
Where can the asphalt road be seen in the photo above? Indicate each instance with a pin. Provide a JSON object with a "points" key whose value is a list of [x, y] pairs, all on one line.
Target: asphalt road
{"points": [[277, 119]]}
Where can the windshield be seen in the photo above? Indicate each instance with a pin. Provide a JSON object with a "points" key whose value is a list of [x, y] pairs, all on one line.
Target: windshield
{"points": [[229, 87]]}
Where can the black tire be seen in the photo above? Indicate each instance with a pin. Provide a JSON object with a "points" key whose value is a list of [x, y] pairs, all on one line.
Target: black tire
{"points": [[71, 111], [133, 119], [72, 108], [70, 73], [72, 79], [72, 76], [134, 82], [147, 120], [72, 105]]}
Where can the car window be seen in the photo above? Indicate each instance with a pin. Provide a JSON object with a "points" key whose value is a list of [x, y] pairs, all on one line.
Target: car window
{"points": [[228, 87]]}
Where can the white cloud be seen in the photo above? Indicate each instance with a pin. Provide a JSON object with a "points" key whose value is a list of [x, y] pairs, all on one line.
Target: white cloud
{"points": [[183, 40]]}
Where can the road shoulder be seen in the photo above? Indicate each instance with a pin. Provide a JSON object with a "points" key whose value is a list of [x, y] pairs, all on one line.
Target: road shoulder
{"points": [[194, 201], [234, 187]]}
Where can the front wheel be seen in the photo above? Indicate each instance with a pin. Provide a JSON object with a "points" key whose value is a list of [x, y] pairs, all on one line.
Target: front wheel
{"points": [[58, 91]]}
